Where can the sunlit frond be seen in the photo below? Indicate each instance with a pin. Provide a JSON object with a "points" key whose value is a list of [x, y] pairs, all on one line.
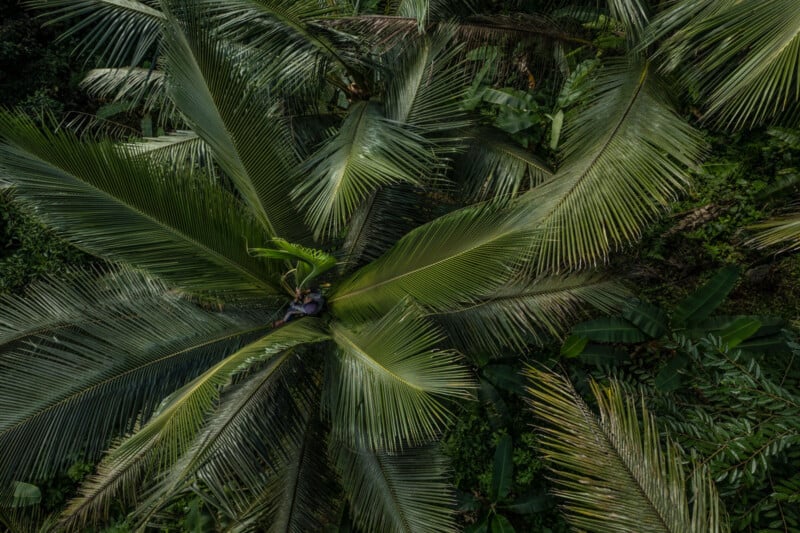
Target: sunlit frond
{"points": [[524, 312], [397, 493], [626, 156], [611, 470], [178, 149], [108, 201], [385, 385], [454, 259], [144, 86]]}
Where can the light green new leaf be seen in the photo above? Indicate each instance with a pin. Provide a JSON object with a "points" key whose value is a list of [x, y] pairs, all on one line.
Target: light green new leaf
{"points": [[311, 263], [626, 156], [386, 382], [612, 472], [402, 493], [109, 201], [368, 151]]}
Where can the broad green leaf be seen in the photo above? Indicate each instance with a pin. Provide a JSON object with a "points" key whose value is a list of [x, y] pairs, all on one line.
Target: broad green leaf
{"points": [[739, 331], [669, 378], [25, 495], [703, 301], [531, 503], [503, 469], [649, 318], [574, 346], [500, 524], [602, 355], [313, 263], [610, 329]]}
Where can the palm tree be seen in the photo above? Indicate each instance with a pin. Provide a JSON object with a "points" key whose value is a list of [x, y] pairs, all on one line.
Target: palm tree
{"points": [[312, 161]]}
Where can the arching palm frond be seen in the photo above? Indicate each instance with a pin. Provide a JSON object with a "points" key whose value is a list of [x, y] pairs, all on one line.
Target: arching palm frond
{"points": [[397, 493], [110, 202], [495, 166], [180, 149], [146, 87], [384, 386], [627, 154], [613, 473], [455, 259], [778, 231], [742, 57], [514, 315], [69, 348], [121, 32], [211, 84], [368, 151], [256, 445], [160, 443], [380, 222], [302, 495], [426, 89]]}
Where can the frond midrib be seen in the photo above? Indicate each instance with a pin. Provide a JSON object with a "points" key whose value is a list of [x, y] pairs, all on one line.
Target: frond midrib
{"points": [[115, 377]]}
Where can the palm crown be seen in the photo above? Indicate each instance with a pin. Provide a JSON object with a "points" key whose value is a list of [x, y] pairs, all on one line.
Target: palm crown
{"points": [[312, 158]]}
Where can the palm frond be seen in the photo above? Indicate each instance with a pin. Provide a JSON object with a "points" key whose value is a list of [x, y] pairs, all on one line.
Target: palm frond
{"points": [[144, 86], [633, 14], [303, 494], [495, 166], [379, 222], [455, 259], [258, 435], [612, 471], [368, 151], [120, 32], [384, 386], [626, 156], [397, 493], [742, 57], [211, 84], [513, 316], [427, 87], [110, 202], [69, 348], [178, 149], [782, 230], [161, 442]]}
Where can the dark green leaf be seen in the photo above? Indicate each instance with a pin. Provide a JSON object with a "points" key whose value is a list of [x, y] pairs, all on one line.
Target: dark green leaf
{"points": [[531, 503], [649, 318], [702, 302], [739, 331], [610, 329], [573, 346], [503, 472], [600, 355], [500, 524], [669, 378], [505, 377]]}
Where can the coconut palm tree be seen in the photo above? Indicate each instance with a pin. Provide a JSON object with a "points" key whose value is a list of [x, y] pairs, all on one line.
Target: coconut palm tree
{"points": [[312, 162]]}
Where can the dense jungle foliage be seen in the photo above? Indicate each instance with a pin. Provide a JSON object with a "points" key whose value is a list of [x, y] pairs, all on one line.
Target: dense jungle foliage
{"points": [[687, 361]]}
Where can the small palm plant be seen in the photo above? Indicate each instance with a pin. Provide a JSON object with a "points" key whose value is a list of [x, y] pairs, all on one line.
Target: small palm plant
{"points": [[169, 355]]}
